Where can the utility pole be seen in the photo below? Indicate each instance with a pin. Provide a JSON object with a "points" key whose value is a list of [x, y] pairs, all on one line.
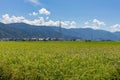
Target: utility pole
{"points": [[60, 30]]}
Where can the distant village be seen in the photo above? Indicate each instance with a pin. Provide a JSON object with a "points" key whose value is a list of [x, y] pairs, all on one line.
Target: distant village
{"points": [[47, 39], [31, 39]]}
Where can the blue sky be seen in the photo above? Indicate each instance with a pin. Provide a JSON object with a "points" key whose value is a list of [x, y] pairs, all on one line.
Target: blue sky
{"points": [[97, 14]]}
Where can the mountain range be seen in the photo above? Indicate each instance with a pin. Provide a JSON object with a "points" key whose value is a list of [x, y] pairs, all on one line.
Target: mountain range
{"points": [[22, 30]]}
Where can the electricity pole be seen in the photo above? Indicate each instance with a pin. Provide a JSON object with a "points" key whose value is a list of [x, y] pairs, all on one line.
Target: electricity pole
{"points": [[60, 30]]}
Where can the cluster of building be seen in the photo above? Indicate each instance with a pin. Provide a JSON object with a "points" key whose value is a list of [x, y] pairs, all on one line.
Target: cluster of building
{"points": [[31, 39]]}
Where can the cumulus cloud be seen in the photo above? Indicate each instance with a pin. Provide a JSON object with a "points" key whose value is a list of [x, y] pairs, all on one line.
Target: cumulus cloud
{"points": [[98, 23], [115, 28], [73, 24], [13, 19], [34, 2], [44, 11], [41, 21], [33, 14], [95, 24], [52, 23]]}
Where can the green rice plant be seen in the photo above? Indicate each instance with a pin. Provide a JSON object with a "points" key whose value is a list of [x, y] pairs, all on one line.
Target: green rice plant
{"points": [[59, 60]]}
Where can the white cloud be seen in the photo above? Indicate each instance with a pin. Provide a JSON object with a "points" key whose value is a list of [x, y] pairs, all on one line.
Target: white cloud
{"points": [[13, 19], [95, 24], [115, 27], [98, 23], [52, 23], [33, 14], [35, 2], [73, 24], [38, 22], [44, 11]]}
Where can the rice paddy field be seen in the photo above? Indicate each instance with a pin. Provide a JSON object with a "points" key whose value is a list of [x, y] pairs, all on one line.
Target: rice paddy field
{"points": [[59, 60]]}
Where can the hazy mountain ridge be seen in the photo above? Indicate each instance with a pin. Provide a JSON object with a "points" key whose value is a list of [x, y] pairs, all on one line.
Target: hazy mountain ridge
{"points": [[22, 30]]}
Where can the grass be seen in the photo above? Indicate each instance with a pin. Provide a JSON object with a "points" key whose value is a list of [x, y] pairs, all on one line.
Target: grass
{"points": [[59, 60]]}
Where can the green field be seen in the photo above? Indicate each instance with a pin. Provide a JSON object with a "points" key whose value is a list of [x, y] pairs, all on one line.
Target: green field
{"points": [[59, 60]]}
